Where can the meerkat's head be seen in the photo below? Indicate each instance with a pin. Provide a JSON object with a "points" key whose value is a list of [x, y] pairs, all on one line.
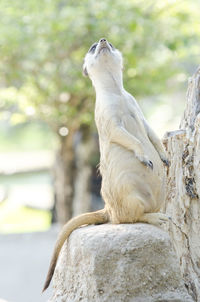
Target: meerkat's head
{"points": [[102, 60]]}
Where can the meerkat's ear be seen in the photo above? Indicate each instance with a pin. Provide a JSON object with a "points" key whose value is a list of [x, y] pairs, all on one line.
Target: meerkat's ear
{"points": [[85, 72]]}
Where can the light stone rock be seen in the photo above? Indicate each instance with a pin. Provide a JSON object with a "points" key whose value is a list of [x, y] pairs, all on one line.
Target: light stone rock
{"points": [[118, 263]]}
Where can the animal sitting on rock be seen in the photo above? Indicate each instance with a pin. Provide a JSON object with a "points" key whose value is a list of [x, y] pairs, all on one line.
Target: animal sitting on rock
{"points": [[131, 154]]}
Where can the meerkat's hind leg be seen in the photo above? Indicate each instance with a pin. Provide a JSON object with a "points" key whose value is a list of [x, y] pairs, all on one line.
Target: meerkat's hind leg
{"points": [[131, 211], [155, 218], [134, 211]]}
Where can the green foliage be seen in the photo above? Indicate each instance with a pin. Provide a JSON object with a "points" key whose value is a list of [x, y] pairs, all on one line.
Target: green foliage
{"points": [[43, 43]]}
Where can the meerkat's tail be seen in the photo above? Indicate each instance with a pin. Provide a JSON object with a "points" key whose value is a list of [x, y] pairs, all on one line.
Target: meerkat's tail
{"points": [[97, 217]]}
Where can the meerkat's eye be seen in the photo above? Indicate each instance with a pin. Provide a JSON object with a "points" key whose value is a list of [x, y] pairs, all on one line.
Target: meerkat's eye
{"points": [[92, 48]]}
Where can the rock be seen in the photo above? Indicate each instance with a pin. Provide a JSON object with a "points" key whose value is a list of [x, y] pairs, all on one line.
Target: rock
{"points": [[118, 263], [182, 201]]}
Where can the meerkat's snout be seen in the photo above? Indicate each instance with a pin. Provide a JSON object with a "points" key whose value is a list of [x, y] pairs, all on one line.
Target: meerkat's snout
{"points": [[103, 45], [102, 58], [102, 41]]}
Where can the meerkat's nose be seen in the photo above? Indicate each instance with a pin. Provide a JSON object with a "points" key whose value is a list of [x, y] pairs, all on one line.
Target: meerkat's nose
{"points": [[102, 40]]}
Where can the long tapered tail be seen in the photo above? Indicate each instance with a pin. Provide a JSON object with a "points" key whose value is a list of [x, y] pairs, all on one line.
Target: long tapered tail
{"points": [[97, 217]]}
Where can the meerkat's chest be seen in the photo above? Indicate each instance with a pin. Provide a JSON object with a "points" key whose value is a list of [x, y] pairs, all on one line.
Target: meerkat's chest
{"points": [[132, 122], [122, 112]]}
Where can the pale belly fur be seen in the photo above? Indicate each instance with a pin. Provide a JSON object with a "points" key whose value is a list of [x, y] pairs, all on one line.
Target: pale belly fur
{"points": [[125, 180]]}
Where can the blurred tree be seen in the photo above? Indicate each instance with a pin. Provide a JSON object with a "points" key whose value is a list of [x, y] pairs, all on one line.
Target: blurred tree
{"points": [[42, 46]]}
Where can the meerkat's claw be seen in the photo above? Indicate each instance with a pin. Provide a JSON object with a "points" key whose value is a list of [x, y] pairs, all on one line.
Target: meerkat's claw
{"points": [[163, 218], [148, 163], [166, 161], [155, 218], [145, 161]]}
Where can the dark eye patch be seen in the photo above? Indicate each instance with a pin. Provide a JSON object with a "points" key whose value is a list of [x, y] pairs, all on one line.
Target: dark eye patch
{"points": [[93, 47], [111, 46]]}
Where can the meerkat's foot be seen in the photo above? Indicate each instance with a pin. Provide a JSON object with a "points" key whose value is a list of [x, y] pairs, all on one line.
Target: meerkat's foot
{"points": [[145, 161], [155, 218]]}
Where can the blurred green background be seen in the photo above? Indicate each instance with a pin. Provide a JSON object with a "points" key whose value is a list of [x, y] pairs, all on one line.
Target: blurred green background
{"points": [[48, 145]]}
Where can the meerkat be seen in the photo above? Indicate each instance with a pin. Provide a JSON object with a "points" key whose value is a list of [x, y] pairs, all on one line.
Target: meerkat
{"points": [[131, 155]]}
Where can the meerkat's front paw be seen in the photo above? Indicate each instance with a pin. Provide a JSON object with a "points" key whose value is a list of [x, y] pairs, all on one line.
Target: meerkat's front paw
{"points": [[145, 161], [165, 161], [148, 163]]}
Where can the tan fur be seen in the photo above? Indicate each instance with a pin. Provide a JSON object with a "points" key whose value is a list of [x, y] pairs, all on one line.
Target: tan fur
{"points": [[130, 152], [129, 187]]}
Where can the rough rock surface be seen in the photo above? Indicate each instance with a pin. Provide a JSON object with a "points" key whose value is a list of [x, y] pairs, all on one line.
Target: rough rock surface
{"points": [[118, 263]]}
